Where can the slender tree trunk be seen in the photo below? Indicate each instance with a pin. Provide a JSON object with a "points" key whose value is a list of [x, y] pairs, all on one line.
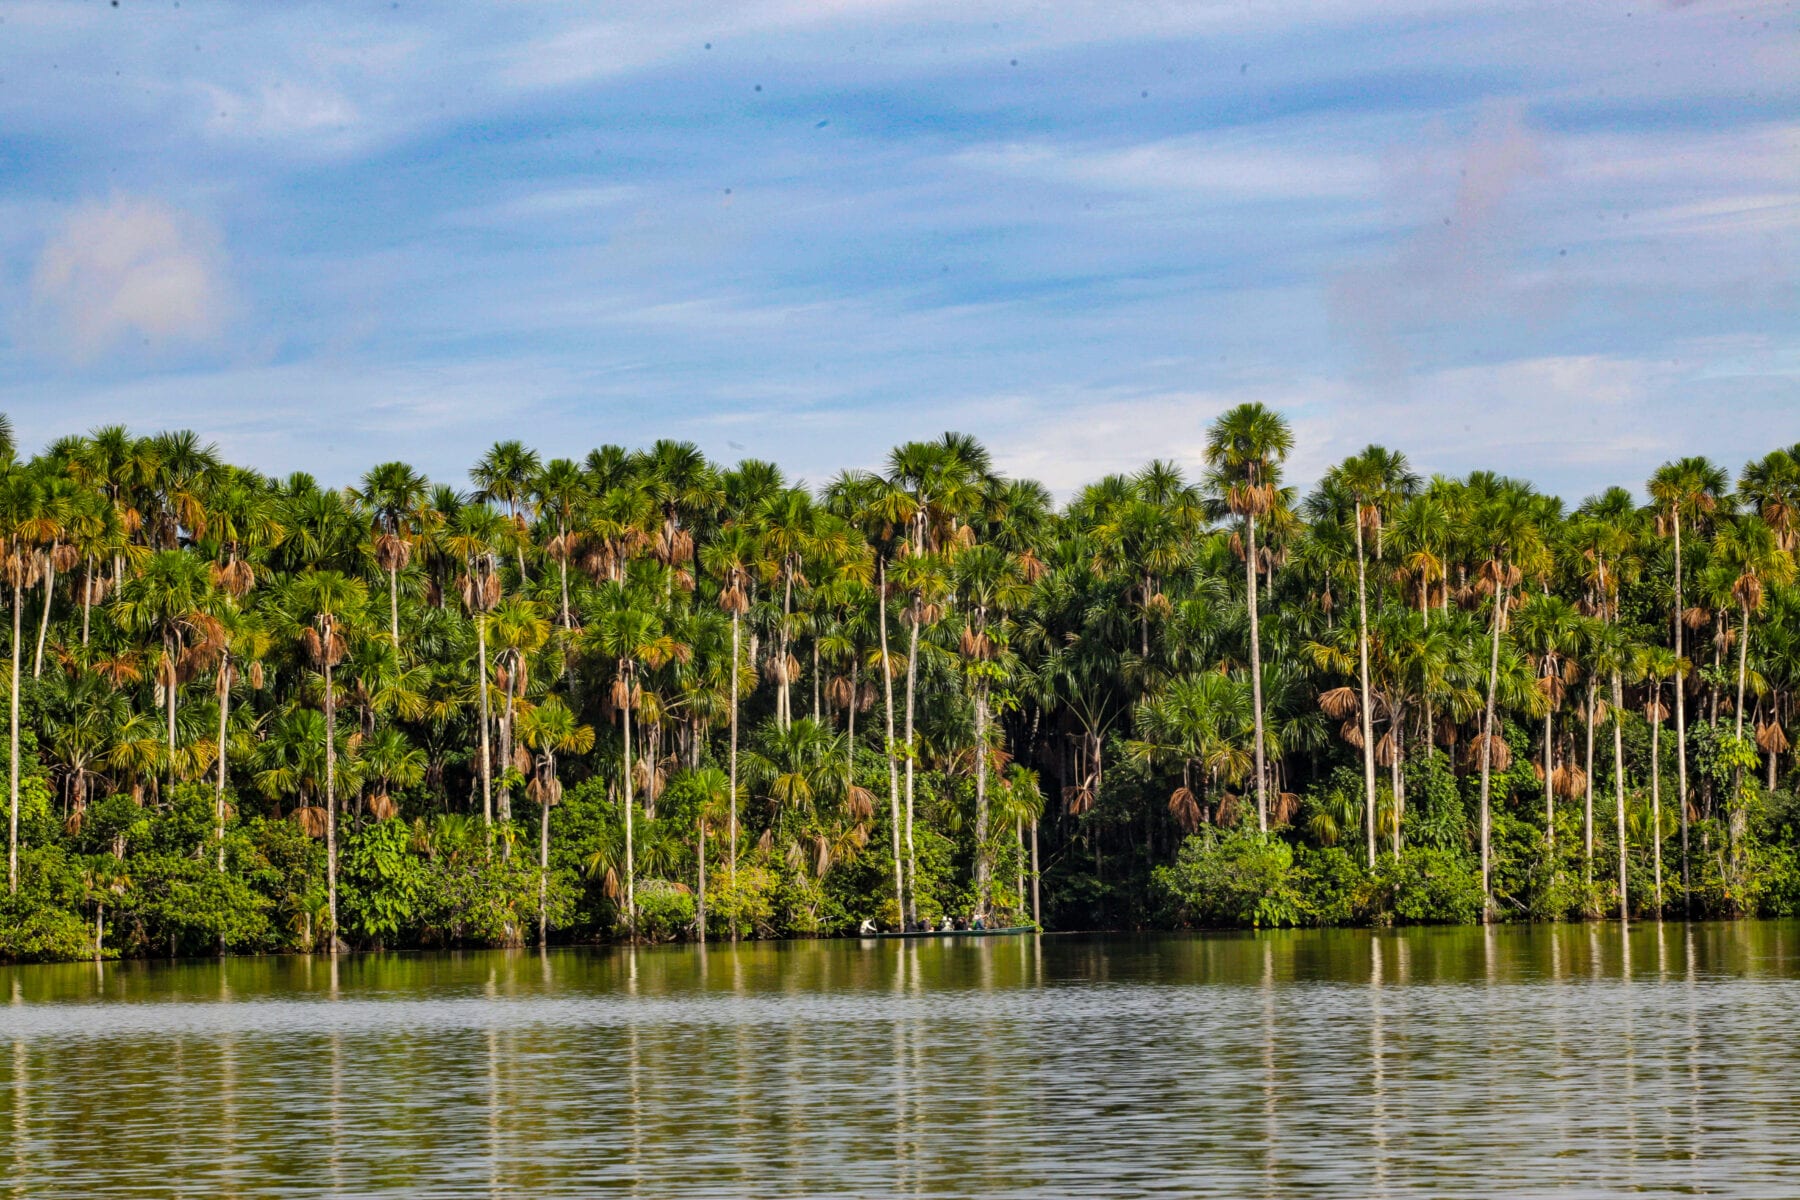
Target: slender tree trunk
{"points": [[219, 791], [700, 903], [1256, 696], [487, 765], [1368, 715], [562, 564], [1587, 822], [504, 791], [87, 597], [630, 847], [912, 674], [394, 605], [1618, 702], [732, 830], [169, 691], [1487, 751], [1037, 917], [1549, 774], [1737, 781], [12, 763], [983, 867], [544, 852], [784, 704], [1397, 778], [1656, 800], [887, 683], [1681, 784], [331, 856], [37, 660]]}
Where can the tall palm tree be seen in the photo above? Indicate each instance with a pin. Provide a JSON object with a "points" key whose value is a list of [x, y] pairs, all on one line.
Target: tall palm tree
{"points": [[1657, 663], [324, 609], [1508, 537], [990, 586], [504, 476], [549, 729], [1686, 493], [472, 538], [1245, 448], [395, 494], [1370, 483], [172, 598], [1748, 551], [734, 558]]}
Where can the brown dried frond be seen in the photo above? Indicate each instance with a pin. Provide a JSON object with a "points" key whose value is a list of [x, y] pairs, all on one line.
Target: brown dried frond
{"points": [[1770, 739], [1185, 809], [838, 692], [1077, 800], [1569, 781], [859, 803], [1339, 703], [1351, 732], [311, 818], [382, 806], [1385, 750], [1695, 616], [1228, 807], [1498, 752], [1286, 805], [1656, 710]]}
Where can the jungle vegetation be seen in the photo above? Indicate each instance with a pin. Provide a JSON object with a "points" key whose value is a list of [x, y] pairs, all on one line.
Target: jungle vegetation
{"points": [[640, 694]]}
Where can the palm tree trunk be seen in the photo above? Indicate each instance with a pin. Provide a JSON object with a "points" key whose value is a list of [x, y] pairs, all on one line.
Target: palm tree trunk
{"points": [[1487, 751], [219, 791], [784, 707], [1397, 777], [732, 830], [1587, 823], [1256, 696], [487, 765], [983, 868], [169, 691], [1549, 774], [1681, 798], [1036, 915], [630, 847], [1368, 715], [12, 764], [87, 597], [394, 605], [331, 863], [887, 682], [700, 903], [504, 795], [1618, 702], [37, 660], [1737, 783], [544, 853], [1656, 800], [912, 675]]}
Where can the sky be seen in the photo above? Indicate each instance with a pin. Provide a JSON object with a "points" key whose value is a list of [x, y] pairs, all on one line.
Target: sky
{"points": [[1557, 240]]}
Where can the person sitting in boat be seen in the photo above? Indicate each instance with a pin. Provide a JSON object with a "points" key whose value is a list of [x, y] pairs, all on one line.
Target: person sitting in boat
{"points": [[978, 922], [949, 926], [961, 925], [867, 927]]}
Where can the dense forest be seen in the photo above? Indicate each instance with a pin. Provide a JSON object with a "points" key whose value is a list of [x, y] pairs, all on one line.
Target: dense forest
{"points": [[643, 695]]}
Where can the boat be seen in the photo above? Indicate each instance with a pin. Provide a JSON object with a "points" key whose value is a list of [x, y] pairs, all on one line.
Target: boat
{"points": [[1008, 931]]}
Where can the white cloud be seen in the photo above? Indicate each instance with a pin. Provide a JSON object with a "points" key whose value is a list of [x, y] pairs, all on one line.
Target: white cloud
{"points": [[127, 271]]}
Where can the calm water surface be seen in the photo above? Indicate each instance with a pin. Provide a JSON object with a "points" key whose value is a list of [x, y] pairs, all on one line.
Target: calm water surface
{"points": [[1571, 1061]]}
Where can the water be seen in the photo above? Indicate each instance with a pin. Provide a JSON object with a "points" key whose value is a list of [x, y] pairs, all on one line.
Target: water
{"points": [[1567, 1061]]}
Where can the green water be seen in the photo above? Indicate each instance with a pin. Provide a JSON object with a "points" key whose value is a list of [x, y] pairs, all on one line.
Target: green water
{"points": [[1513, 1062]]}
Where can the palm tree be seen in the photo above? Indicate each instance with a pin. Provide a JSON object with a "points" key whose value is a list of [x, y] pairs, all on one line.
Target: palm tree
{"points": [[734, 557], [1370, 483], [550, 728], [560, 489], [172, 598], [504, 476], [323, 608], [626, 630], [1508, 537], [518, 629], [395, 494], [1748, 552], [990, 586], [1685, 492], [472, 538], [1245, 448], [709, 789]]}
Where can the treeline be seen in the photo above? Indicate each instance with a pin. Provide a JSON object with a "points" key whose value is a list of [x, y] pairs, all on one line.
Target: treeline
{"points": [[646, 695]]}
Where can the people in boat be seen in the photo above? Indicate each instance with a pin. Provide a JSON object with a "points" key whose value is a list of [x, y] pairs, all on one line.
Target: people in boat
{"points": [[948, 926], [867, 927], [961, 924], [978, 922]]}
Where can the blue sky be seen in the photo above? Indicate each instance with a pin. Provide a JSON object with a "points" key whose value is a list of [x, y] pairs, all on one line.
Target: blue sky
{"points": [[1558, 240]]}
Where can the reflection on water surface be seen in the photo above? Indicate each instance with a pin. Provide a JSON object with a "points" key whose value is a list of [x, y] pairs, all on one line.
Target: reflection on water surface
{"points": [[1516, 1061]]}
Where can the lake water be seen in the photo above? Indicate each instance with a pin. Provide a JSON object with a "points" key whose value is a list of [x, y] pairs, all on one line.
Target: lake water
{"points": [[1518, 1061]]}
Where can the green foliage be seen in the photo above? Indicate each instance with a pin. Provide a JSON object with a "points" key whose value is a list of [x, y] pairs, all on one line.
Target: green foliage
{"points": [[1236, 878]]}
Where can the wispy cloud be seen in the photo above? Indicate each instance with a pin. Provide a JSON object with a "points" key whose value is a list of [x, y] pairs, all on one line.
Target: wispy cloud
{"points": [[127, 273]]}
